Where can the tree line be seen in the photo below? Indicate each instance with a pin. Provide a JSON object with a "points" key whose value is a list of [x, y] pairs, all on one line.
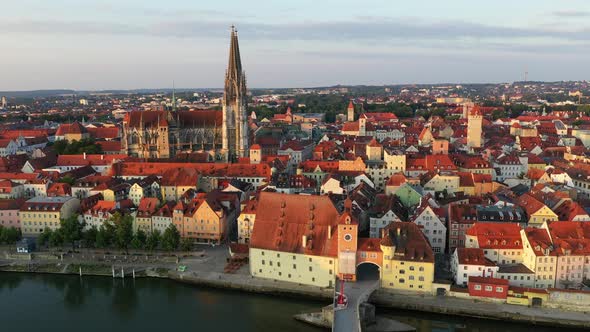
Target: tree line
{"points": [[117, 232], [9, 235]]}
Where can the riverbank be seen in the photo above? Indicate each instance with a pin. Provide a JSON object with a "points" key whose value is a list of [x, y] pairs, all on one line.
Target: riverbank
{"points": [[478, 309], [236, 282], [383, 299]]}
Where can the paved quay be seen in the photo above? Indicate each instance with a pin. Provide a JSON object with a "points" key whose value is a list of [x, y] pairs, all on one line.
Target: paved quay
{"points": [[487, 310]]}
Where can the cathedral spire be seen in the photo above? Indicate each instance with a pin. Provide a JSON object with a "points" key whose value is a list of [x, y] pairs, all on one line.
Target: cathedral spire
{"points": [[234, 67], [173, 97]]}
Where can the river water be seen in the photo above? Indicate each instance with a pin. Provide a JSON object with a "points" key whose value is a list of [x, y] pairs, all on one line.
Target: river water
{"points": [[69, 303]]}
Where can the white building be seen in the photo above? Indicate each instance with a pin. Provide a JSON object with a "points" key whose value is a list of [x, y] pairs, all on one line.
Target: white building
{"points": [[471, 262]]}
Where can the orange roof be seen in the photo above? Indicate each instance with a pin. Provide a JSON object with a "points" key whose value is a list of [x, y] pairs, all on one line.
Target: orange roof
{"points": [[529, 203], [496, 235], [285, 219], [473, 256], [488, 280], [409, 241], [369, 244], [70, 128], [133, 168], [396, 180], [255, 147]]}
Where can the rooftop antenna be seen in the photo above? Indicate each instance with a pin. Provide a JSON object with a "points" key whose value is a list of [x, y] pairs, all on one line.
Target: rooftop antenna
{"points": [[526, 74]]}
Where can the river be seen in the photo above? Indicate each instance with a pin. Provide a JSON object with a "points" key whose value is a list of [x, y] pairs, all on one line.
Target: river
{"points": [[69, 303]]}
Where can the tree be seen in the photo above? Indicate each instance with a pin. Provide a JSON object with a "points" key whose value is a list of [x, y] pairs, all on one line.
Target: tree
{"points": [[89, 237], [56, 239], [186, 244], [123, 229], [170, 238], [153, 240], [105, 235], [497, 114], [9, 235], [139, 239], [71, 229], [67, 179], [44, 237]]}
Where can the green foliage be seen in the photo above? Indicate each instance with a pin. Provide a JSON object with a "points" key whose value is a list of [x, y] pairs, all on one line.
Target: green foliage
{"points": [[56, 239], [105, 235], [71, 229], [44, 237], [123, 229], [584, 108], [517, 109], [497, 114], [170, 238], [153, 240], [9, 235], [139, 240], [86, 145], [67, 179], [186, 244], [89, 236]]}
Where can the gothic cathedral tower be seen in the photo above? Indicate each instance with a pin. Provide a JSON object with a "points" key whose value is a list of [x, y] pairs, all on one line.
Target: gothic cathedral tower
{"points": [[235, 104]]}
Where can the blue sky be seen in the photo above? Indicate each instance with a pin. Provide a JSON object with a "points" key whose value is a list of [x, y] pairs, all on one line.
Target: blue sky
{"points": [[128, 44]]}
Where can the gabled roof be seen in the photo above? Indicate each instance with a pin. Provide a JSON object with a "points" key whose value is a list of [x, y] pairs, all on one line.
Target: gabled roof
{"points": [[496, 235], [285, 219], [473, 256]]}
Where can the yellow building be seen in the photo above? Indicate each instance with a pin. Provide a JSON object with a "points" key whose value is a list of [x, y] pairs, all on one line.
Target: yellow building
{"points": [[474, 127], [143, 220], [294, 239], [374, 150], [538, 255], [444, 181], [352, 165], [408, 260], [46, 212], [246, 221], [177, 181], [537, 212], [203, 219], [71, 132], [395, 160]]}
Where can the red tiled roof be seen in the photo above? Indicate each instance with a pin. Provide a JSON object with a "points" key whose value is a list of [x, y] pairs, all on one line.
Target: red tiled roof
{"points": [[496, 235], [110, 146], [473, 256], [70, 128], [285, 219], [488, 280], [103, 132]]}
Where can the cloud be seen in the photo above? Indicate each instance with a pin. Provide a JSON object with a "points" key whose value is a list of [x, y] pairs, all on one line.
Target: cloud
{"points": [[571, 13], [360, 29]]}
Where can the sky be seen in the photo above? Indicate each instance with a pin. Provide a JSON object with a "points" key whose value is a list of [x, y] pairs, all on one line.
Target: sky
{"points": [[134, 44]]}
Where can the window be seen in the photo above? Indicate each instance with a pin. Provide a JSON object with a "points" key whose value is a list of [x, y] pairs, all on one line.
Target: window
{"points": [[489, 288], [477, 287], [499, 289]]}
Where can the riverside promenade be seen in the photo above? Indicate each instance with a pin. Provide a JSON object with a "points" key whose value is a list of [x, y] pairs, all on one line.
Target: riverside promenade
{"points": [[475, 308], [206, 269]]}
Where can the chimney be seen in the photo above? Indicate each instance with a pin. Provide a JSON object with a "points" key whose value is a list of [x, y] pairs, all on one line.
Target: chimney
{"points": [[304, 241], [84, 155], [102, 157], [329, 232], [399, 231]]}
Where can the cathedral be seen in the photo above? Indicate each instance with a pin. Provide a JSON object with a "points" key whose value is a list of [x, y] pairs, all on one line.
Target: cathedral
{"points": [[223, 134]]}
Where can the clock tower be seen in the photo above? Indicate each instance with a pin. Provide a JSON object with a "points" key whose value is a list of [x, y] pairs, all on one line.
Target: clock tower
{"points": [[347, 244]]}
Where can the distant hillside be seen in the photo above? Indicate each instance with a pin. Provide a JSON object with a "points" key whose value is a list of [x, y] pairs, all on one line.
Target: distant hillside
{"points": [[35, 93]]}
